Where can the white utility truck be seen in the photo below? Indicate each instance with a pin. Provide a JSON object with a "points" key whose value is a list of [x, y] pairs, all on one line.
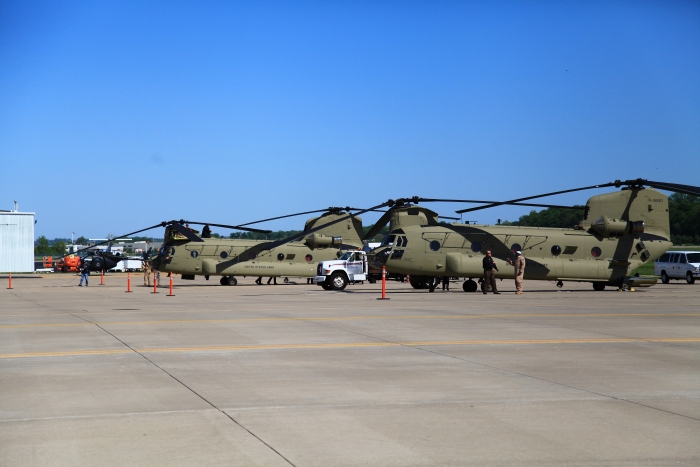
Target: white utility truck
{"points": [[337, 273]]}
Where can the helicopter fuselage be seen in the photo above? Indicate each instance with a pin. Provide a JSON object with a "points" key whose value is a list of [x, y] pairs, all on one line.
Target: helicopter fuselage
{"points": [[551, 254]]}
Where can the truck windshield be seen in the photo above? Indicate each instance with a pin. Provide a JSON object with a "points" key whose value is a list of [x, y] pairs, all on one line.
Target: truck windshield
{"points": [[693, 257], [346, 256]]}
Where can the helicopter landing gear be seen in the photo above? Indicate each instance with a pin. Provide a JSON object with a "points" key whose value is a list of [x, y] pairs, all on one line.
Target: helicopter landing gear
{"points": [[598, 286], [469, 286], [560, 284], [286, 280], [228, 280]]}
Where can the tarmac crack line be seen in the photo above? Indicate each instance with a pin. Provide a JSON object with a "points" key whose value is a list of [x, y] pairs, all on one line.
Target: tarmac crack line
{"points": [[505, 370], [170, 375]]}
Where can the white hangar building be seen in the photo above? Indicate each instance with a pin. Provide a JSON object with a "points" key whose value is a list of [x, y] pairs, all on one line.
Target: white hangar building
{"points": [[16, 241]]}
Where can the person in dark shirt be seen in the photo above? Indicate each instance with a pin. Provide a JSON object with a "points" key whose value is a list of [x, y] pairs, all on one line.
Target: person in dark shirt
{"points": [[489, 275], [84, 274], [206, 231]]}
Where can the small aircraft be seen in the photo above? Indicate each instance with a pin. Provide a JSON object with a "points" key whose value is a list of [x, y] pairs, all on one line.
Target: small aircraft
{"points": [[618, 232]]}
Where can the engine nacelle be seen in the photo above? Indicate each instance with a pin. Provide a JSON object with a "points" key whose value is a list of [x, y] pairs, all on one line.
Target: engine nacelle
{"points": [[322, 241], [608, 227]]}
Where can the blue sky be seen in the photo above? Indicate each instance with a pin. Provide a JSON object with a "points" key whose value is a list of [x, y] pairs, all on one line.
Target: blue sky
{"points": [[118, 115]]}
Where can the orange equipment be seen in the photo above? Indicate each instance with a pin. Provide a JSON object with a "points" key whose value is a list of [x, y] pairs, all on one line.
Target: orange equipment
{"points": [[48, 262], [70, 263]]}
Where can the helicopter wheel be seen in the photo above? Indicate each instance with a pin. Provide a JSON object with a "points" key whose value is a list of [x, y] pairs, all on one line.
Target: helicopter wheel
{"points": [[469, 286], [598, 286], [231, 281], [626, 286], [286, 280], [560, 284], [222, 281]]}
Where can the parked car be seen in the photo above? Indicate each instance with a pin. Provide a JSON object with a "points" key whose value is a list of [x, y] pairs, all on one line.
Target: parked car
{"points": [[678, 265]]}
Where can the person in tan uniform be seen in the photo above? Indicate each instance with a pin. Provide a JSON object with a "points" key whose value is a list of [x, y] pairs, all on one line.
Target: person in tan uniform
{"points": [[519, 265], [146, 274]]}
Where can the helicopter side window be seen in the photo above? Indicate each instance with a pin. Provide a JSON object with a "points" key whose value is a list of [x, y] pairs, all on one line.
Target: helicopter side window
{"points": [[399, 241], [476, 247], [223, 255], [556, 250], [389, 240], [405, 242], [435, 245], [596, 252]]}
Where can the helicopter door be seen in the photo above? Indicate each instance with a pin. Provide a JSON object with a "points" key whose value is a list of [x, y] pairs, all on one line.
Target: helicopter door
{"points": [[434, 242]]}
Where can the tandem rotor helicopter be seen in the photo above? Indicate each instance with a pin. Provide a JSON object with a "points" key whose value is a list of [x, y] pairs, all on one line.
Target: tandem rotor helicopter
{"points": [[618, 232]]}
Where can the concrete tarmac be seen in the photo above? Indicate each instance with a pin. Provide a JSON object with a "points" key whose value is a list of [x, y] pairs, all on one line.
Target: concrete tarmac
{"points": [[294, 375]]}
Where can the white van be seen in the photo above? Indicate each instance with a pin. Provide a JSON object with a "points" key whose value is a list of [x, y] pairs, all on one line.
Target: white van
{"points": [[678, 265]]}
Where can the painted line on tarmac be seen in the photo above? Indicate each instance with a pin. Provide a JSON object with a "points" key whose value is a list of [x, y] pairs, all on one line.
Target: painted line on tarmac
{"points": [[352, 345], [355, 318]]}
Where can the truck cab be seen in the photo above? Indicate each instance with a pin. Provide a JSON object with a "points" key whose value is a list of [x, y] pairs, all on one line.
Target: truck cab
{"points": [[337, 274]]}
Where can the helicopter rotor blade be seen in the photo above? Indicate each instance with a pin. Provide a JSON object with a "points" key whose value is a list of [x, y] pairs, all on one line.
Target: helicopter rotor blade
{"points": [[191, 236], [162, 224], [675, 187], [527, 198], [379, 225], [235, 227], [447, 217], [479, 201], [274, 244], [329, 209], [638, 183]]}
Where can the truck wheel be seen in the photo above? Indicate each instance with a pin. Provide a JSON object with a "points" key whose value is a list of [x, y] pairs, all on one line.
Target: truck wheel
{"points": [[339, 281], [325, 285], [664, 277], [598, 286], [689, 278], [231, 281], [469, 286]]}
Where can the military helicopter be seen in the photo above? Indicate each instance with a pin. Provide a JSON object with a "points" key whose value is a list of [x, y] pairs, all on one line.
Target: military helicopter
{"points": [[190, 255], [618, 232], [98, 260]]}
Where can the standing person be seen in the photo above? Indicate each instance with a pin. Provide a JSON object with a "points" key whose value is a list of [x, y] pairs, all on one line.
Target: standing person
{"points": [[489, 276], [156, 276], [84, 274], [519, 265], [206, 231], [446, 283], [146, 274]]}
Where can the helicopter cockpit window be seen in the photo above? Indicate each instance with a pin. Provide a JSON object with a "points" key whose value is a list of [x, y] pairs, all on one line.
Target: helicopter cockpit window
{"points": [[389, 240]]}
